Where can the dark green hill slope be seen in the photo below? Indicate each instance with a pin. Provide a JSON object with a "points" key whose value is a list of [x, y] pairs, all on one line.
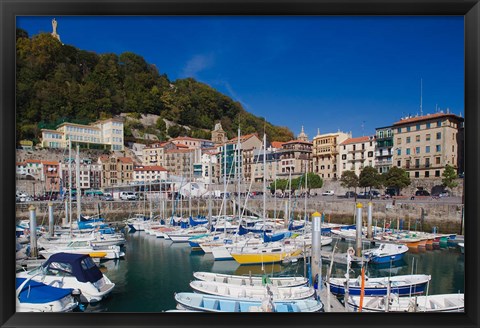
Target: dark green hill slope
{"points": [[57, 83]]}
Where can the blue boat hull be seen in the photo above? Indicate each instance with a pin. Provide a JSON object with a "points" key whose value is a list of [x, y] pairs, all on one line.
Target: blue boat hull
{"points": [[387, 259], [380, 291]]}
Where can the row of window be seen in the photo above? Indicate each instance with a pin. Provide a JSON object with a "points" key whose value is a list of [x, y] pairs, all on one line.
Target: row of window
{"points": [[417, 151], [418, 138], [82, 130], [418, 127]]}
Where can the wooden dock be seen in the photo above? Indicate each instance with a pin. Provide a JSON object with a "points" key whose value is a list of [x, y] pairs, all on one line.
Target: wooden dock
{"points": [[328, 298]]}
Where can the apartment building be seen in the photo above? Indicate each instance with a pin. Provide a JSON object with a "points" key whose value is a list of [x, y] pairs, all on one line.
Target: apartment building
{"points": [[90, 175], [102, 134], [270, 170], [356, 153], [295, 159], [325, 153], [383, 149], [179, 162], [155, 153], [51, 176], [208, 169], [424, 145], [248, 143], [148, 174], [116, 170]]}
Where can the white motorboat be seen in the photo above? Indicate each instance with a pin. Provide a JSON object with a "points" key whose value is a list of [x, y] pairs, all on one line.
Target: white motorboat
{"points": [[35, 296], [76, 271], [85, 247]]}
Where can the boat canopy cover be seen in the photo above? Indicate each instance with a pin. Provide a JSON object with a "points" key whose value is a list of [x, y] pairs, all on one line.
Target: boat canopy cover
{"points": [[37, 292], [81, 266], [291, 227], [194, 223], [276, 237]]}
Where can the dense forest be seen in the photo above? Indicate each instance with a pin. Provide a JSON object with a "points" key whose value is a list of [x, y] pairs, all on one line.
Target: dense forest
{"points": [[57, 82]]}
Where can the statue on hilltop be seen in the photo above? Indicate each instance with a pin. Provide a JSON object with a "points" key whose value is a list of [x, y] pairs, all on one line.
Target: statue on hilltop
{"points": [[54, 27]]}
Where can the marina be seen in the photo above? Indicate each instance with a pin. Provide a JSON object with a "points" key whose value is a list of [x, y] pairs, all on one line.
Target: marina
{"points": [[154, 269]]}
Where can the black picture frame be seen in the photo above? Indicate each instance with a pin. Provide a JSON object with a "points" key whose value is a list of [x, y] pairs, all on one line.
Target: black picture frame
{"points": [[470, 9]]}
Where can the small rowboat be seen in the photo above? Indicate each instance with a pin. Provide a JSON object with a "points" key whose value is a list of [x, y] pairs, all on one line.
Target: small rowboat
{"points": [[250, 281], [251, 292], [209, 303], [430, 303], [386, 253]]}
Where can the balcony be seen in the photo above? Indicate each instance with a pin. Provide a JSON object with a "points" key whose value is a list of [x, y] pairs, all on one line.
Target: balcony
{"points": [[383, 162]]}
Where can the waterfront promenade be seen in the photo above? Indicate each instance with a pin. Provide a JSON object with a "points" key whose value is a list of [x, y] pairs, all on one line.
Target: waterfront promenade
{"points": [[418, 214]]}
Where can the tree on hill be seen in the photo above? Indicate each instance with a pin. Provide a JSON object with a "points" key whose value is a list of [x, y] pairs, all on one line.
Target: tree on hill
{"points": [[60, 81], [448, 177], [397, 178], [350, 180]]}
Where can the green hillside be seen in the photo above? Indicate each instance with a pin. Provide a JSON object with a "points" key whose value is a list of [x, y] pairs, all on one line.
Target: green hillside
{"points": [[57, 83]]}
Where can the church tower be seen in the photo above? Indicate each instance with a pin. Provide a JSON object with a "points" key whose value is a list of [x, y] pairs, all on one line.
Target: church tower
{"points": [[302, 136], [218, 135]]}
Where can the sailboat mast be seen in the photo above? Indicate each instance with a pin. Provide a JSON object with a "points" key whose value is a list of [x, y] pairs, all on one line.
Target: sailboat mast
{"points": [[306, 192], [210, 192], [225, 187], [264, 179], [77, 183], [70, 183], [238, 174]]}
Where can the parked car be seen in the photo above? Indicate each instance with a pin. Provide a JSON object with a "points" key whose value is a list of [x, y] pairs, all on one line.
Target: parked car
{"points": [[128, 195], [328, 193], [422, 193], [350, 194], [107, 197]]}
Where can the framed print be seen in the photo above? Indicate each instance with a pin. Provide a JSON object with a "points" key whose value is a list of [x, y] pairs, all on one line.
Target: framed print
{"points": [[204, 162]]}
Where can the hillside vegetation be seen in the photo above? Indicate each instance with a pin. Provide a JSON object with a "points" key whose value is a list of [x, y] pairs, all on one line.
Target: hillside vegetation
{"points": [[57, 82]]}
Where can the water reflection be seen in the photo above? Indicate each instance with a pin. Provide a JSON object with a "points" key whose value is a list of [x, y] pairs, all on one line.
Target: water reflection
{"points": [[155, 269]]}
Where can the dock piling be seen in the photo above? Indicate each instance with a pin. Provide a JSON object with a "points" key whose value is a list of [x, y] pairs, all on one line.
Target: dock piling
{"points": [[51, 221], [33, 231], [358, 240], [369, 220], [316, 264]]}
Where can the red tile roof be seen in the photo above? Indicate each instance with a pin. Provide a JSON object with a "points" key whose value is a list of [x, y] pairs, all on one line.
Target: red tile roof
{"points": [[356, 140], [426, 118], [21, 164], [49, 163], [125, 159], [33, 161], [181, 146], [243, 138], [277, 144]]}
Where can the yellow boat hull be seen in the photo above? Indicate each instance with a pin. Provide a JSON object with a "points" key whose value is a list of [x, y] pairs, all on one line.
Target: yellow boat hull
{"points": [[259, 258]]}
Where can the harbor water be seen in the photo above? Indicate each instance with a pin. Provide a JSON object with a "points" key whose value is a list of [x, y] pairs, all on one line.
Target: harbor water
{"points": [[154, 269]]}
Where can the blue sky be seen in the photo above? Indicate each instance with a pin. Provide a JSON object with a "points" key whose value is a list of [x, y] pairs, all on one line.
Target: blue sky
{"points": [[329, 73]]}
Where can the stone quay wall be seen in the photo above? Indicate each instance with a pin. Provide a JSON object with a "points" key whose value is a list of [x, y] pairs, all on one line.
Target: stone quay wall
{"points": [[423, 215]]}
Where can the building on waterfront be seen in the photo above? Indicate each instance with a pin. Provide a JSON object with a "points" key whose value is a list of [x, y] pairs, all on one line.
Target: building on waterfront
{"points": [[116, 170], [155, 153], [208, 169], [325, 153], [51, 176], [90, 174], [179, 162], [424, 145], [295, 158], [102, 134], [356, 153], [272, 167], [148, 174], [384, 149], [233, 157]]}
